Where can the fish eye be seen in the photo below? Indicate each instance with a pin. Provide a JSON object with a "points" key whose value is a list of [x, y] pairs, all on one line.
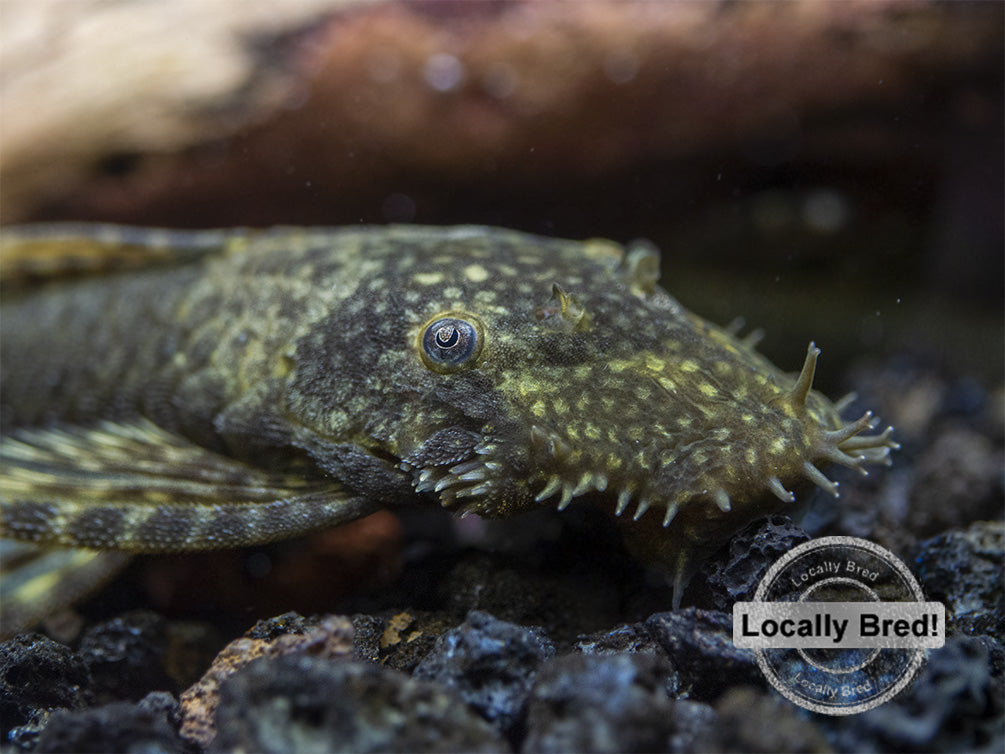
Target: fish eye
{"points": [[451, 342]]}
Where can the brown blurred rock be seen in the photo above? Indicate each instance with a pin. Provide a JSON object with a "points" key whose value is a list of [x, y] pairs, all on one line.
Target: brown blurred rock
{"points": [[239, 120], [331, 638]]}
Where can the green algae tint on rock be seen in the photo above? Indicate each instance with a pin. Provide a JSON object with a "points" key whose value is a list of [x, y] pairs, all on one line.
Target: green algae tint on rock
{"points": [[167, 391]]}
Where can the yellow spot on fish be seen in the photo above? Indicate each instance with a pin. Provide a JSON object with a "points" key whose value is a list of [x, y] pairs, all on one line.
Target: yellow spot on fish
{"points": [[667, 384], [751, 456], [428, 278], [778, 447], [689, 366], [655, 364], [708, 390], [476, 273]]}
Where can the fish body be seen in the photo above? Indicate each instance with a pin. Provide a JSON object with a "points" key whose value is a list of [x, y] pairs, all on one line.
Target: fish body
{"points": [[218, 388]]}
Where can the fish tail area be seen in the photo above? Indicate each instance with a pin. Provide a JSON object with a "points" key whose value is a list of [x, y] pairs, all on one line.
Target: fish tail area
{"points": [[35, 581]]}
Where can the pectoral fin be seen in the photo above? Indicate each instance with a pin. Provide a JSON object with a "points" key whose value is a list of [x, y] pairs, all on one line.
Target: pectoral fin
{"points": [[137, 488], [34, 581]]}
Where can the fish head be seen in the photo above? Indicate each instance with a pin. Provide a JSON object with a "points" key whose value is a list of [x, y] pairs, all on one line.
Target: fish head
{"points": [[502, 372]]}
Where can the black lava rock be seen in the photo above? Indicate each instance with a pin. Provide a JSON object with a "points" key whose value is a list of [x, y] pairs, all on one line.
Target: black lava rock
{"points": [[491, 664], [140, 728], [958, 481], [605, 703], [955, 704], [631, 638], [287, 623], [399, 641], [366, 640], [38, 675], [567, 599], [733, 574], [750, 720], [963, 569], [694, 723], [125, 657], [298, 703], [699, 643]]}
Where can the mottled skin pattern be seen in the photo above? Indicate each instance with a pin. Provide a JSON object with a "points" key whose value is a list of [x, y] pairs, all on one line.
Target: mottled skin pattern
{"points": [[271, 383]]}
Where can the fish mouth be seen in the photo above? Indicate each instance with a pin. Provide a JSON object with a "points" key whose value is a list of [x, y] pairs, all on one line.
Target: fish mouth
{"points": [[469, 485]]}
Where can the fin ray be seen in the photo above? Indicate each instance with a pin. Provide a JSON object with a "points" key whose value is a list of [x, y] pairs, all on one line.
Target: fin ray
{"points": [[36, 253], [138, 488], [34, 581]]}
